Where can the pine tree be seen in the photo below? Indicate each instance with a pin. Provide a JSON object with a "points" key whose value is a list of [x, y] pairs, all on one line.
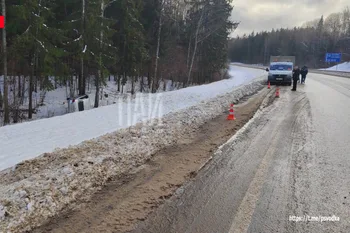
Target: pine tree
{"points": [[130, 37], [107, 52], [35, 40]]}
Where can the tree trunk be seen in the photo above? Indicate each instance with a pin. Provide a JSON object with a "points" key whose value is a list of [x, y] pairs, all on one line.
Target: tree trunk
{"points": [[69, 85], [149, 80], [36, 74], [34, 63], [30, 92], [1, 100], [132, 85], [89, 83], [155, 80], [36, 58], [141, 84], [191, 65], [43, 80], [195, 48], [119, 80], [97, 85], [188, 53], [15, 108], [124, 80], [19, 86], [82, 82], [35, 84], [99, 76], [14, 90], [4, 45], [23, 89]]}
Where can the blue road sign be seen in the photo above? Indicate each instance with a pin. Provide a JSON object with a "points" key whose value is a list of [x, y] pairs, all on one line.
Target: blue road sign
{"points": [[333, 57]]}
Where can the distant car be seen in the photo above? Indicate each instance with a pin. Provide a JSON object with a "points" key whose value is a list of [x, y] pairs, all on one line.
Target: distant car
{"points": [[280, 73], [79, 103]]}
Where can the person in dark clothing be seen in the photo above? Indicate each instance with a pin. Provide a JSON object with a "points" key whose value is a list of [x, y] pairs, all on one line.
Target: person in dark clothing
{"points": [[296, 74], [304, 71]]}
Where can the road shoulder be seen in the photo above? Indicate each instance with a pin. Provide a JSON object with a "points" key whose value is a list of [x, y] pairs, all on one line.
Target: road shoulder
{"points": [[127, 200]]}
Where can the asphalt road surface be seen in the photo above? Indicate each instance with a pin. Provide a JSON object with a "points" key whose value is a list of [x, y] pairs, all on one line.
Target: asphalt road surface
{"points": [[291, 163]]}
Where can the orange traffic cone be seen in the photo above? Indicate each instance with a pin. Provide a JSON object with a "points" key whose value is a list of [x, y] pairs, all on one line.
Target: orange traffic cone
{"points": [[231, 115], [277, 92], [268, 86]]}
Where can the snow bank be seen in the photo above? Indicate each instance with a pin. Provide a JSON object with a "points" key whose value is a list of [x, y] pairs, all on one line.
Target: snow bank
{"points": [[253, 65], [30, 139], [39, 189], [344, 67]]}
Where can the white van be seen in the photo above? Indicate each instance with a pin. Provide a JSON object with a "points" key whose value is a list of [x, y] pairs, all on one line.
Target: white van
{"points": [[280, 73]]}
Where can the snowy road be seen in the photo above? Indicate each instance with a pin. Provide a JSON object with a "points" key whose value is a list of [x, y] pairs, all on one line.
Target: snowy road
{"points": [[28, 140], [291, 163]]}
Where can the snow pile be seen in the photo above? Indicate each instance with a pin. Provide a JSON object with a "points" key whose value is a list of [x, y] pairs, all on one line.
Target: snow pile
{"points": [[39, 189], [30, 139], [344, 67]]}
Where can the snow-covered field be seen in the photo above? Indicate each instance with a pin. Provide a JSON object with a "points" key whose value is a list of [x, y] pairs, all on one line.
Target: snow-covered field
{"points": [[344, 67], [35, 190], [30, 139], [55, 103]]}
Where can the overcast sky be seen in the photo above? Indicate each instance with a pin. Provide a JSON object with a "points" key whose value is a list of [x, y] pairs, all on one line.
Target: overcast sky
{"points": [[259, 15]]}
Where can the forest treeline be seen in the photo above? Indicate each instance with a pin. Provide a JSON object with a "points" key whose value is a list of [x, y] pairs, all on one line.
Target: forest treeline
{"points": [[308, 43], [67, 42]]}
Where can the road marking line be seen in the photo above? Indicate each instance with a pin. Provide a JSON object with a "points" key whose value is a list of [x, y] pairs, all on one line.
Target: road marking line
{"points": [[246, 209]]}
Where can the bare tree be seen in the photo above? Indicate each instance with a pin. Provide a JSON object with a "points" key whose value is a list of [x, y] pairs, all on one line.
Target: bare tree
{"points": [[346, 21], [311, 24], [333, 25]]}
